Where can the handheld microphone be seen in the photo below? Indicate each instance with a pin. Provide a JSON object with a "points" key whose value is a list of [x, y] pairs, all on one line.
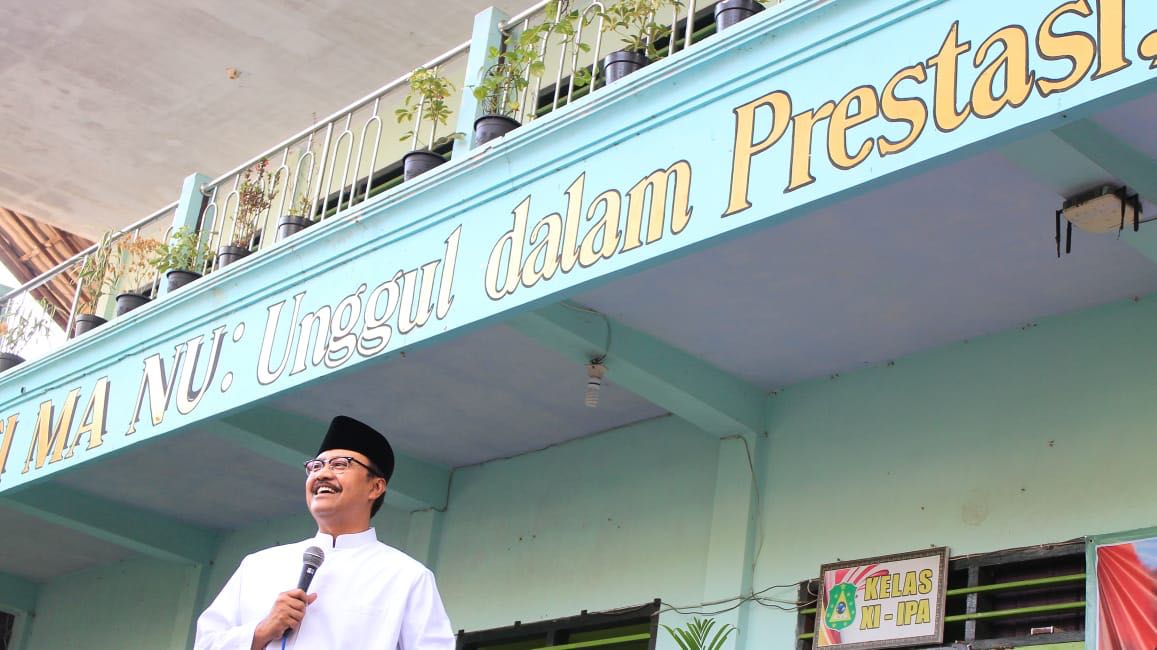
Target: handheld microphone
{"points": [[310, 561]]}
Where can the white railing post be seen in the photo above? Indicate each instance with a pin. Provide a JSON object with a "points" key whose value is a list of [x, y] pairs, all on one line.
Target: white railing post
{"points": [[188, 211], [487, 34]]}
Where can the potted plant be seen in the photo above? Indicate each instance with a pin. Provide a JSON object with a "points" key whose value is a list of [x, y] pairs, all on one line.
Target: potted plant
{"points": [[498, 93], [254, 196], [130, 258], [697, 635], [426, 102], [516, 62], [634, 22], [731, 12], [183, 257], [93, 284], [18, 327], [297, 219]]}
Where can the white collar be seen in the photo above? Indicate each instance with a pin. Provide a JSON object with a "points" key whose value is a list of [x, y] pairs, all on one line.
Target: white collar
{"points": [[352, 540]]}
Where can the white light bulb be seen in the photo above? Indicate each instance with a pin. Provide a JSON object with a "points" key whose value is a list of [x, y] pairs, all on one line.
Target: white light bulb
{"points": [[595, 372]]}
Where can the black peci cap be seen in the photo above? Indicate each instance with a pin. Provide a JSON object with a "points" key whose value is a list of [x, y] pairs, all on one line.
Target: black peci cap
{"points": [[348, 433]]}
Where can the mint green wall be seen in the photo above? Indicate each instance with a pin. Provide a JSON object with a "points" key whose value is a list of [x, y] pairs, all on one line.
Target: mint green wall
{"points": [[143, 603], [1038, 434], [606, 521], [1033, 435], [138, 603], [610, 520]]}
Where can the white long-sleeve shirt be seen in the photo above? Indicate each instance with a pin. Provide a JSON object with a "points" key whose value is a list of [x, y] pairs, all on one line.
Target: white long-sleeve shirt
{"points": [[369, 596]]}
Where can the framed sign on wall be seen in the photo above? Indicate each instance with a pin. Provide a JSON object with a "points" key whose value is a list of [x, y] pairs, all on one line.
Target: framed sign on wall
{"points": [[891, 601]]}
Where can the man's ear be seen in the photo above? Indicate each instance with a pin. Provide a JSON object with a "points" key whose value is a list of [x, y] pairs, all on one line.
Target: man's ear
{"points": [[379, 481]]}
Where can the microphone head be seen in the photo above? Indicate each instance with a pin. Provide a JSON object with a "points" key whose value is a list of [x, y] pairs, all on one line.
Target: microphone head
{"points": [[313, 557]]}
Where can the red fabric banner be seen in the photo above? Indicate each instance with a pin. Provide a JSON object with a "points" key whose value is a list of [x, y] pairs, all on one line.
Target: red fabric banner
{"points": [[1127, 596]]}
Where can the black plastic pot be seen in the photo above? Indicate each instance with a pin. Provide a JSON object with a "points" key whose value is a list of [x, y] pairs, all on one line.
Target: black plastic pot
{"points": [[226, 255], [289, 225], [731, 12], [9, 360], [85, 323], [617, 65], [489, 127], [127, 302], [416, 163], [176, 279]]}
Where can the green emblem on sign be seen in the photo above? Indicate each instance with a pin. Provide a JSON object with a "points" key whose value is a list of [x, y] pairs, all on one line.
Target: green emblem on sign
{"points": [[841, 611]]}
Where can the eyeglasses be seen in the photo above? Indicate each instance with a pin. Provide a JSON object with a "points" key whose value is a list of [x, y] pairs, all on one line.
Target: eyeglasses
{"points": [[338, 464]]}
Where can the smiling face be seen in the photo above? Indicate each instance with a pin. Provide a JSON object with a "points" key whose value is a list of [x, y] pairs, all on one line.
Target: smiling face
{"points": [[341, 503]]}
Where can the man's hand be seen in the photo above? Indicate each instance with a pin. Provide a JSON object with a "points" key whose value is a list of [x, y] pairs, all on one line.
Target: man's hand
{"points": [[285, 615]]}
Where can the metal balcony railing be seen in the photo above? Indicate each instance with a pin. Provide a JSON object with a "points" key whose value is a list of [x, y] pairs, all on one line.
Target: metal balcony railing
{"points": [[343, 160], [569, 53], [94, 277]]}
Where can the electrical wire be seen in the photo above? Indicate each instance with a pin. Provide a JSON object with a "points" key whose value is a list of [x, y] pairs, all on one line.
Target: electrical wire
{"points": [[606, 321], [733, 603], [738, 601], [758, 504]]}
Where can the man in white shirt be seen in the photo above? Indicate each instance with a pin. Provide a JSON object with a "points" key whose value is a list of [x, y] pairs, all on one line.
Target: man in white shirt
{"points": [[364, 595]]}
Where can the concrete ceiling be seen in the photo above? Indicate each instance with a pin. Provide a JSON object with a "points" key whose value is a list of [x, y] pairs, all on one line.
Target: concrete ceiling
{"points": [[108, 104], [925, 263], [958, 252], [490, 394], [158, 476], [955, 253], [918, 264], [37, 550]]}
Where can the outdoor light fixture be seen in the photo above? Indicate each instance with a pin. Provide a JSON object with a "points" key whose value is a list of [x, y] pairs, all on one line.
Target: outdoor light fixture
{"points": [[1103, 209], [595, 372], [595, 369]]}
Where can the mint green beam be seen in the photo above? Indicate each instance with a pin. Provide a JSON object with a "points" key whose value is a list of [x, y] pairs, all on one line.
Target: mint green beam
{"points": [[1081, 155], [139, 530], [1131, 167], [188, 210], [17, 594], [736, 532], [711, 399], [291, 439], [487, 34], [1125, 163], [423, 537]]}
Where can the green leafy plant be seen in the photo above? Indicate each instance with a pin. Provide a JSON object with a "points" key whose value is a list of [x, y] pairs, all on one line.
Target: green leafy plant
{"points": [[19, 327], [519, 60], [426, 102], [568, 24], [635, 22], [118, 264], [302, 207], [254, 196], [697, 635], [130, 258], [93, 277], [186, 250]]}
